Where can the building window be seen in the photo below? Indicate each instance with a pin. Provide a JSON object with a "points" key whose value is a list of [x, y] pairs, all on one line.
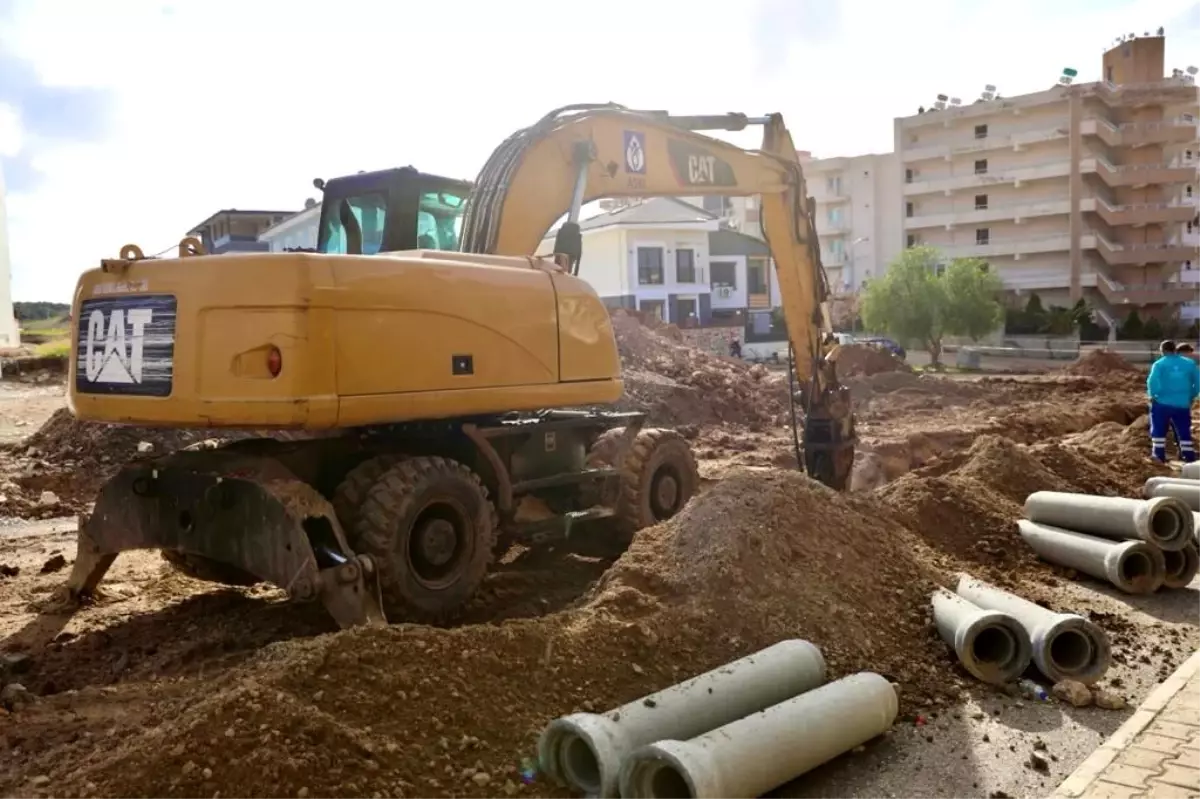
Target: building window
{"points": [[908, 209], [724, 274], [650, 266], [980, 202], [908, 176], [981, 131], [1108, 74], [981, 166], [756, 275], [981, 235], [685, 266], [911, 240], [653, 308], [834, 215], [833, 186]]}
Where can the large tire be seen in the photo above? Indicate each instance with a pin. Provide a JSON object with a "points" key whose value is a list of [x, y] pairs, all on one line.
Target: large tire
{"points": [[658, 477], [199, 567], [431, 529], [350, 494]]}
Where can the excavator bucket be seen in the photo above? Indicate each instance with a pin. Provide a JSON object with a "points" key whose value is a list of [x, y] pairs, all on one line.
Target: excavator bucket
{"points": [[241, 511]]}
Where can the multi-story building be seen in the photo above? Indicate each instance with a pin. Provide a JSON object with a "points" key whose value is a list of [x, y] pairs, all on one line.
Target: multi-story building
{"points": [[296, 232], [231, 230], [1080, 191], [858, 215]]}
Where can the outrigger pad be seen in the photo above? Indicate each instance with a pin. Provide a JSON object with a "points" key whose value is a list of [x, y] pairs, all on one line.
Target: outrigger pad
{"points": [[248, 512]]}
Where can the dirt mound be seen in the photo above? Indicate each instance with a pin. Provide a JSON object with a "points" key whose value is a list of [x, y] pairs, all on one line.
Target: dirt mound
{"points": [[411, 710], [860, 359], [1100, 363], [678, 385]]}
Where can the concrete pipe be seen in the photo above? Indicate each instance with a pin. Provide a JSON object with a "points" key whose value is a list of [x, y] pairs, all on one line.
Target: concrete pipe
{"points": [[586, 750], [1133, 566], [1196, 528], [1162, 521], [753, 755], [991, 645], [1182, 565], [1190, 471], [1066, 646], [1178, 487]]}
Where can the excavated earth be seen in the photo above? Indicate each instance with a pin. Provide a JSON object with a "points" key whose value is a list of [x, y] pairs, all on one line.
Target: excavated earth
{"points": [[171, 687]]}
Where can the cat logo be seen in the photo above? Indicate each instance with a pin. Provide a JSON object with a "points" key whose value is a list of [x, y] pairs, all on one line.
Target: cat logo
{"points": [[697, 166], [113, 348]]}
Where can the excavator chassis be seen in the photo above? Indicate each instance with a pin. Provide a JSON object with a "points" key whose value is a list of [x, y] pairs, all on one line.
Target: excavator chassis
{"points": [[333, 519]]}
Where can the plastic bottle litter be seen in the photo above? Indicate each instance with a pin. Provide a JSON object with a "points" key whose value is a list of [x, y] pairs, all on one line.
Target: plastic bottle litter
{"points": [[1031, 690]]}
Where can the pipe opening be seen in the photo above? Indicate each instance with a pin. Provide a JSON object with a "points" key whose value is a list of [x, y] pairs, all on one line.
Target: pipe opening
{"points": [[579, 764], [1165, 524], [1135, 567], [994, 645], [1176, 563], [1071, 651], [659, 779]]}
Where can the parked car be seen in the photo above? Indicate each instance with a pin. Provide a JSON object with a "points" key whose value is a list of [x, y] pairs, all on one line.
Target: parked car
{"points": [[883, 343]]}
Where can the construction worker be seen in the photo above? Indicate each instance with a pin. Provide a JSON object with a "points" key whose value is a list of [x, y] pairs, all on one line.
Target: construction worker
{"points": [[735, 348], [1173, 385]]}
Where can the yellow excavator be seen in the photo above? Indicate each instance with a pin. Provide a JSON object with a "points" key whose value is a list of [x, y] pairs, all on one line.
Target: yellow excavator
{"points": [[427, 381]]}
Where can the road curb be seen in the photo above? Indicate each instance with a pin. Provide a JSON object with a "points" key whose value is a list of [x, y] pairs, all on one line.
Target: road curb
{"points": [[1099, 760]]}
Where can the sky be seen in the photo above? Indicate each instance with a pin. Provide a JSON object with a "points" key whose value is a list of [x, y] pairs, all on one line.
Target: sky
{"points": [[133, 120]]}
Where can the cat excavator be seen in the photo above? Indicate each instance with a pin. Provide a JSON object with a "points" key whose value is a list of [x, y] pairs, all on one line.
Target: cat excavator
{"points": [[430, 387]]}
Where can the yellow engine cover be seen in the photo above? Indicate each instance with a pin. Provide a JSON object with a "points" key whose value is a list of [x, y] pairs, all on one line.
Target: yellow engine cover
{"points": [[363, 340]]}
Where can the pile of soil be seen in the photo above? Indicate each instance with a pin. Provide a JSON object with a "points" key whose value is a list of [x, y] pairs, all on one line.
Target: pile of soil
{"points": [[678, 385], [860, 359], [408, 710], [1100, 363]]}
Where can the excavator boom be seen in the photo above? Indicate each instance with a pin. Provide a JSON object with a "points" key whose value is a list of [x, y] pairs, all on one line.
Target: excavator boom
{"points": [[582, 153]]}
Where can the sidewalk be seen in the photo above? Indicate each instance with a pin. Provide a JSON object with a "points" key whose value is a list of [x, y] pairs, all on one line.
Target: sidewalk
{"points": [[1156, 753]]}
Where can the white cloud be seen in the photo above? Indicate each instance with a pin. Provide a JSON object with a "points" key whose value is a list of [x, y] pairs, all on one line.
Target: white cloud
{"points": [[222, 104]]}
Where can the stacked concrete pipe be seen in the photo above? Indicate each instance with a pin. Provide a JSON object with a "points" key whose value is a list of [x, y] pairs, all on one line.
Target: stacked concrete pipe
{"points": [[1135, 567], [991, 645], [1180, 487], [1190, 471], [1181, 566], [586, 750], [751, 756], [1065, 646], [1165, 522]]}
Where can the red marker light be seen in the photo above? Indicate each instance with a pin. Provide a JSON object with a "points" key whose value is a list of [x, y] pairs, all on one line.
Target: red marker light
{"points": [[274, 361]]}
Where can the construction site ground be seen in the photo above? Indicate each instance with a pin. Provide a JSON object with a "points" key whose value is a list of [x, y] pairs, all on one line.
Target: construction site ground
{"points": [[173, 687]]}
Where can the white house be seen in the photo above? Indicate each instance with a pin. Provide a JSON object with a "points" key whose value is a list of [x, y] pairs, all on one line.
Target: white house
{"points": [[297, 231], [657, 256]]}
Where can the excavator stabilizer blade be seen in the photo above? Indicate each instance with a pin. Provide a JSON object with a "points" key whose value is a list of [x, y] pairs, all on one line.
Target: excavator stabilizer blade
{"points": [[245, 512]]}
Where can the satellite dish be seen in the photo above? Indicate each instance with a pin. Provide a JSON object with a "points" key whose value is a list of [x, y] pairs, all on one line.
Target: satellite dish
{"points": [[943, 97], [940, 105], [955, 101], [990, 88], [1191, 70], [1064, 81]]}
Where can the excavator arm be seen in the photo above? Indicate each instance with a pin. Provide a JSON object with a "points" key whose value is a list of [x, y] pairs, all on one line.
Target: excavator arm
{"points": [[582, 153]]}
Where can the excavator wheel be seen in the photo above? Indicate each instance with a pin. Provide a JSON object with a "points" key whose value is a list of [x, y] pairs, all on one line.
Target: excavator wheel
{"points": [[431, 529], [199, 567], [352, 491], [658, 478]]}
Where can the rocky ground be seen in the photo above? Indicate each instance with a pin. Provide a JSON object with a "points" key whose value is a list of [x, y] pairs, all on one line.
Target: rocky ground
{"points": [[173, 687]]}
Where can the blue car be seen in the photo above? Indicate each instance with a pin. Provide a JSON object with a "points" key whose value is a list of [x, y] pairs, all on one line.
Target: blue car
{"points": [[884, 344]]}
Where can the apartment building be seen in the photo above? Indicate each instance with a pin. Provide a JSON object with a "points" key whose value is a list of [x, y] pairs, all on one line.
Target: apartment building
{"points": [[1080, 191], [858, 216]]}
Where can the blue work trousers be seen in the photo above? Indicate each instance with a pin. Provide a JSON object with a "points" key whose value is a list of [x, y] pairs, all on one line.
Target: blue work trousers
{"points": [[1178, 419]]}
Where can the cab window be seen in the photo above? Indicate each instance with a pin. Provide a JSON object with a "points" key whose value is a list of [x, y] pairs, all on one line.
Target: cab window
{"points": [[439, 220], [370, 209]]}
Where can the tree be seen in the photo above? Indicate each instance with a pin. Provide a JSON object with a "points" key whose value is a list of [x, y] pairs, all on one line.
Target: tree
{"points": [[916, 304], [971, 305]]}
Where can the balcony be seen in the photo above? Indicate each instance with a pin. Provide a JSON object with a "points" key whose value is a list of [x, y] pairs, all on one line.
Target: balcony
{"points": [[1176, 171], [1119, 293], [836, 227], [1140, 213], [1138, 254], [756, 300], [1013, 141], [1153, 92], [1180, 130], [1014, 246], [1057, 168], [1016, 211]]}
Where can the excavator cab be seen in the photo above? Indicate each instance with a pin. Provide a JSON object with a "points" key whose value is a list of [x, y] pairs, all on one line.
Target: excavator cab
{"points": [[391, 210]]}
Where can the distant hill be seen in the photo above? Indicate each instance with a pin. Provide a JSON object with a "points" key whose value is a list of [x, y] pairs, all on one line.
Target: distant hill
{"points": [[40, 311]]}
